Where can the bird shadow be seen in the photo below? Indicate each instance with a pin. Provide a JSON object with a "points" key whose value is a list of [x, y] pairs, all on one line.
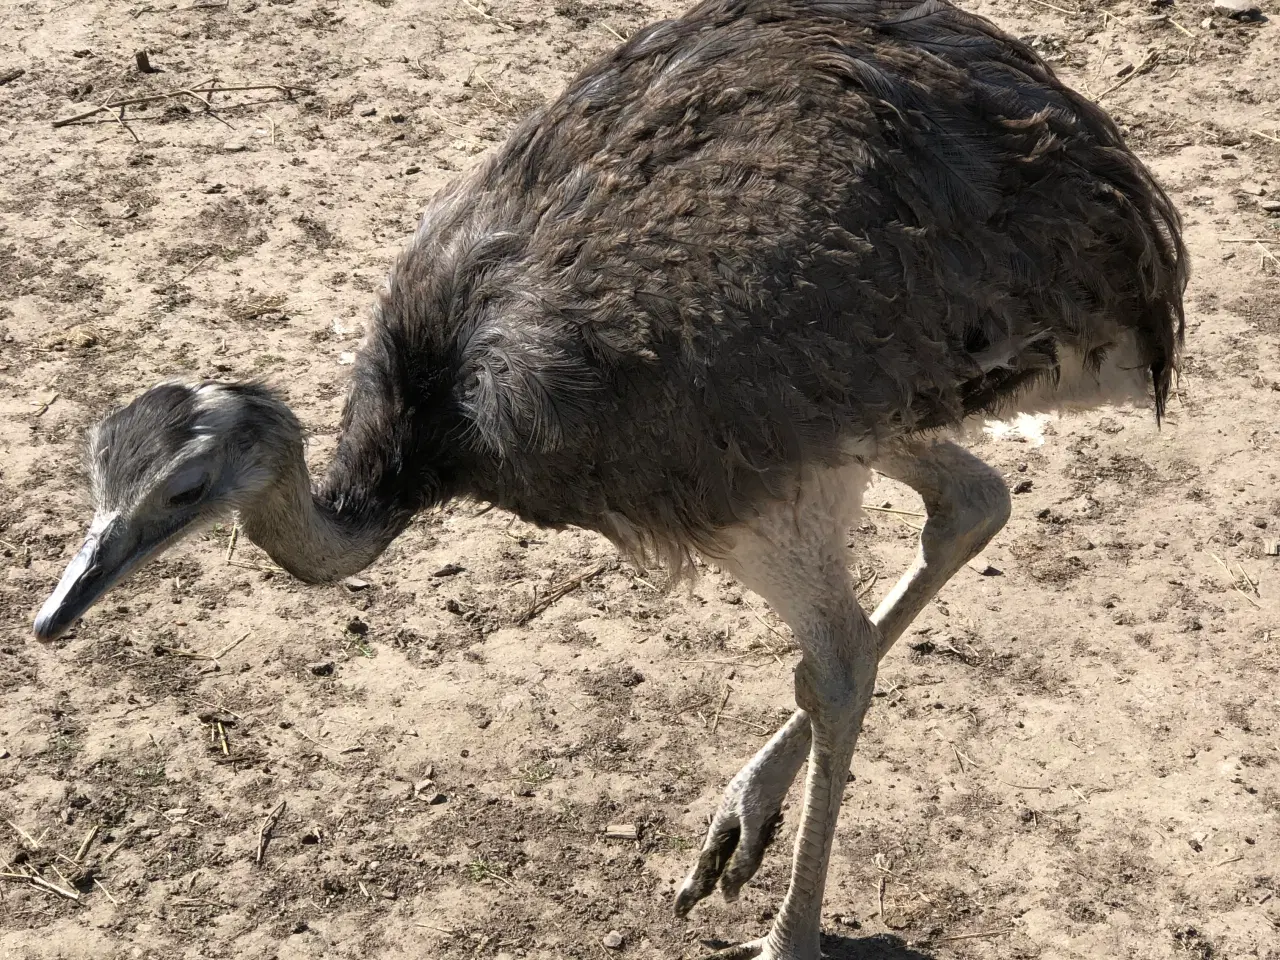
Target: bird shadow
{"points": [[882, 946]]}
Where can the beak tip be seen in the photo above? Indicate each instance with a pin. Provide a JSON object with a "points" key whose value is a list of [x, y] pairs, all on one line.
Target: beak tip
{"points": [[46, 626]]}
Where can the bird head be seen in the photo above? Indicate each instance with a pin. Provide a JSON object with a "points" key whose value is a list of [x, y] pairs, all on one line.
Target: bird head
{"points": [[177, 457]]}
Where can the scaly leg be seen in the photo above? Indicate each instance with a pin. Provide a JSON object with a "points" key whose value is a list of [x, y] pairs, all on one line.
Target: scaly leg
{"points": [[966, 504], [794, 556]]}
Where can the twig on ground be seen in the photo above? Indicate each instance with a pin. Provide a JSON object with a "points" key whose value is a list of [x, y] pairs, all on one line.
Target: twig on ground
{"points": [[701, 701], [743, 720], [86, 843], [42, 883], [962, 936], [900, 513], [32, 842], [264, 832], [1051, 6], [199, 264], [715, 724], [1235, 580], [235, 643], [488, 16], [445, 930], [564, 588], [288, 90], [1144, 67], [124, 838]]}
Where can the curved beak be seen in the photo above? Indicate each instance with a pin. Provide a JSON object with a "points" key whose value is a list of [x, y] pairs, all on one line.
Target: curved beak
{"points": [[103, 560]]}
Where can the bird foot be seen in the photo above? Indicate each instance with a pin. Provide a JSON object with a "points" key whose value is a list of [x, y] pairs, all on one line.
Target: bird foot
{"points": [[739, 951], [743, 827], [757, 950], [731, 854]]}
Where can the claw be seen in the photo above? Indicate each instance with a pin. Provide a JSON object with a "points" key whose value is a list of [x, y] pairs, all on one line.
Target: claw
{"points": [[747, 857], [721, 841], [730, 856], [741, 951], [748, 817]]}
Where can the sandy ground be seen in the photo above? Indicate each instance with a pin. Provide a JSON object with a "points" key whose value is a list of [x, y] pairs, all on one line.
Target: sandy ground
{"points": [[1071, 755]]}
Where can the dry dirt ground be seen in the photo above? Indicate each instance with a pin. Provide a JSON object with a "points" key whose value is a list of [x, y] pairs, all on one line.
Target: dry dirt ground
{"points": [[1075, 756]]}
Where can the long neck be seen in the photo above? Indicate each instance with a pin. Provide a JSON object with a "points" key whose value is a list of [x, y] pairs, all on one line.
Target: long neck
{"points": [[320, 536], [397, 452], [380, 476]]}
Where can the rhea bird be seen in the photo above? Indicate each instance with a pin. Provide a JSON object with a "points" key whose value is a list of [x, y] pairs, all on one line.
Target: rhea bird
{"points": [[752, 255]]}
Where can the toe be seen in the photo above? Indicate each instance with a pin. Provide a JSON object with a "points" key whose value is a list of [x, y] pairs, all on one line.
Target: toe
{"points": [[746, 858], [740, 951], [722, 840]]}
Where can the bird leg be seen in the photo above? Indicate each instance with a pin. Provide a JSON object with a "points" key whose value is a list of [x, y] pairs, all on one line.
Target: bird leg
{"points": [[834, 682], [966, 504], [794, 556]]}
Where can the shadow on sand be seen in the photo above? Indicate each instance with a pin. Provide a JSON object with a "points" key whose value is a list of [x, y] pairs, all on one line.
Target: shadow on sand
{"points": [[880, 947]]}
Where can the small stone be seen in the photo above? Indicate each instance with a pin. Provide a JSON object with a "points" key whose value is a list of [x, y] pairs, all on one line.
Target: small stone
{"points": [[355, 584], [398, 117], [234, 146], [436, 799], [1271, 548], [410, 170], [321, 668], [1206, 23], [449, 570], [357, 626], [613, 940], [1253, 189], [4, 754], [622, 831], [346, 358], [1243, 10], [369, 112], [984, 569], [1022, 486], [1270, 206]]}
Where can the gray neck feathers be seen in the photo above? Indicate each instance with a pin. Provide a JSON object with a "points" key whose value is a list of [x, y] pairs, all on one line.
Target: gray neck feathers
{"points": [[315, 540]]}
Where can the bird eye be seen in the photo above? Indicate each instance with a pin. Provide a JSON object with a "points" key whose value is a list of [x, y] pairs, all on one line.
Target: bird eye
{"points": [[188, 497]]}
